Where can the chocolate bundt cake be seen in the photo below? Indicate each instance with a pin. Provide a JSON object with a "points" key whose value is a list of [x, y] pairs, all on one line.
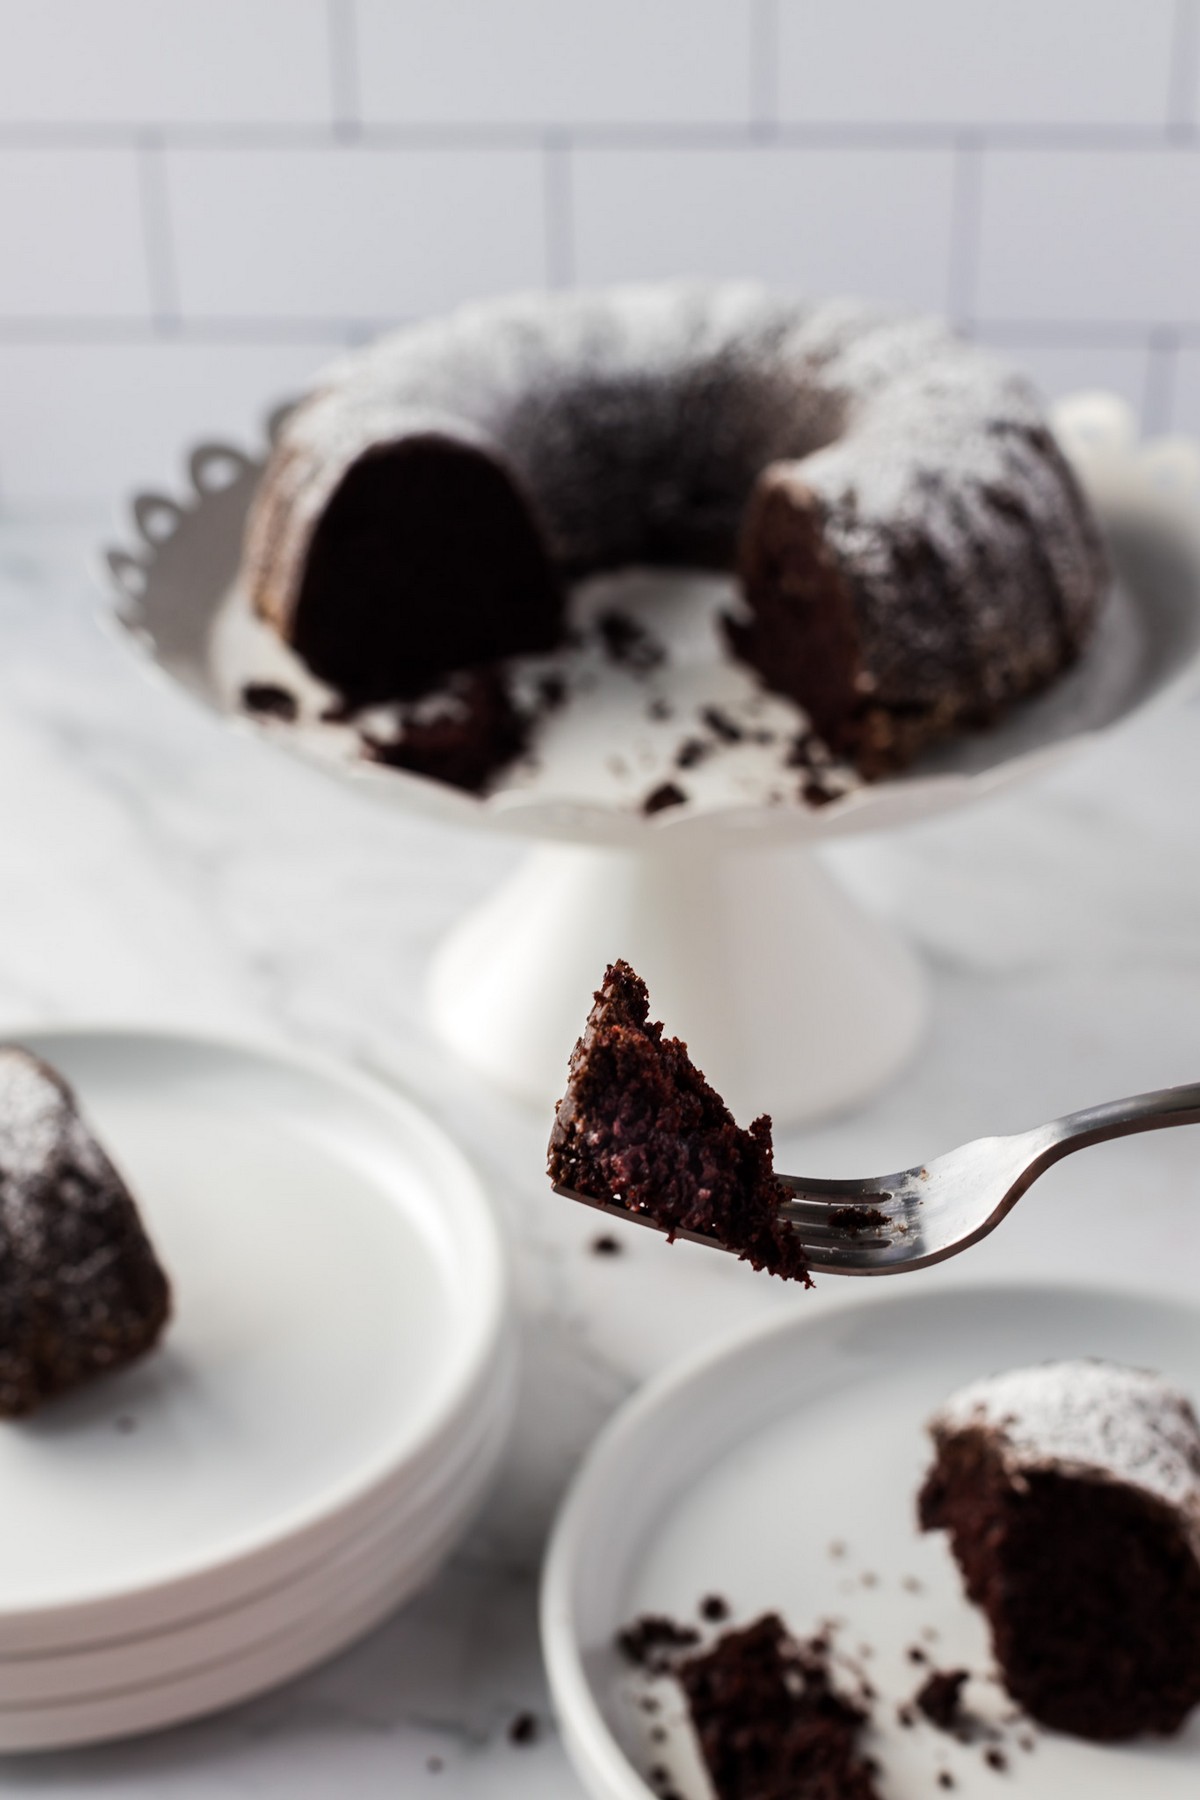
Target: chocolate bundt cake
{"points": [[913, 552], [1071, 1493], [80, 1288], [640, 1127]]}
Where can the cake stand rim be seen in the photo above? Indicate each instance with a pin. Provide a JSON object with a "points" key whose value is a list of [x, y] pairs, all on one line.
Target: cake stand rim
{"points": [[1111, 467]]}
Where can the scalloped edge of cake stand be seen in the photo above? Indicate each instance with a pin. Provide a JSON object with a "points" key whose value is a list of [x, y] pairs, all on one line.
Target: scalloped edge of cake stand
{"points": [[793, 1000]]}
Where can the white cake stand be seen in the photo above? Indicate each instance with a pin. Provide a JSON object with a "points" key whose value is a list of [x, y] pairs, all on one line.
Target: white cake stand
{"points": [[792, 999]]}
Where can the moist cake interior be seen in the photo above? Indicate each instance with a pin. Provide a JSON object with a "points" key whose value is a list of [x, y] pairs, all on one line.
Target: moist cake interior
{"points": [[639, 1126]]}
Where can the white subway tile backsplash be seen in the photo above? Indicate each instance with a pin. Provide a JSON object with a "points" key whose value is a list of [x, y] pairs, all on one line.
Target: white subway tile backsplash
{"points": [[71, 227], [554, 61], [164, 61], [350, 231], [871, 222], [81, 423], [1103, 235], [1059, 369], [976, 62], [177, 172]]}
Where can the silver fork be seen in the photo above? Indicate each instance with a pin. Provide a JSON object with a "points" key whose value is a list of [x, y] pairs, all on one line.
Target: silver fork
{"points": [[891, 1224]]}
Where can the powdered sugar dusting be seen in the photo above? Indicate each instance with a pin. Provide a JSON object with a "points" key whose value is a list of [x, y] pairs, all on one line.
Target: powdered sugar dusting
{"points": [[1090, 1417], [38, 1122], [644, 415]]}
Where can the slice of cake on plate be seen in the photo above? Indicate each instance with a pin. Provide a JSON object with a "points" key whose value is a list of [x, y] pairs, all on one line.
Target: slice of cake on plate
{"points": [[81, 1290], [1071, 1493]]}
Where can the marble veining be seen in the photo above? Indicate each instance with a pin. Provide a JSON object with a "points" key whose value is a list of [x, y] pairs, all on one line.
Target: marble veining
{"points": [[156, 867]]}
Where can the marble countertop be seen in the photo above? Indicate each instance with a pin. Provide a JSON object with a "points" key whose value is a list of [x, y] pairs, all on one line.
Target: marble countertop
{"points": [[157, 868]]}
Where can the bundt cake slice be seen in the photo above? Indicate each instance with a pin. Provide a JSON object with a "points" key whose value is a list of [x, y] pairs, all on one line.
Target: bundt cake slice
{"points": [[1071, 1493], [640, 1127], [80, 1288]]}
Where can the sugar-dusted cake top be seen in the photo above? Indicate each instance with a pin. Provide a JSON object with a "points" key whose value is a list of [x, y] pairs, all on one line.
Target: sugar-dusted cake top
{"points": [[80, 1287], [1088, 1417]]}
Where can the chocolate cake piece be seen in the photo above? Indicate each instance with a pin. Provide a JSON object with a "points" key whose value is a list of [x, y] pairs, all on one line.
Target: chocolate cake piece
{"points": [[1071, 1493], [461, 733], [80, 1288], [640, 1127], [770, 1723]]}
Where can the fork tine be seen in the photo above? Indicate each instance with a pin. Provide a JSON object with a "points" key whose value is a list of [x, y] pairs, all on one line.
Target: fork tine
{"points": [[830, 1245]]}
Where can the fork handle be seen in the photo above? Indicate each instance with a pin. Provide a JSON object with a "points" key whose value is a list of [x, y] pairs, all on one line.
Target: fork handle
{"points": [[1116, 1118]]}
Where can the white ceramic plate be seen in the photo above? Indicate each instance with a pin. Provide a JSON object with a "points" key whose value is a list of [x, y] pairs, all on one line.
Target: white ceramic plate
{"points": [[340, 1297], [738, 1473], [379, 1558], [226, 1679]]}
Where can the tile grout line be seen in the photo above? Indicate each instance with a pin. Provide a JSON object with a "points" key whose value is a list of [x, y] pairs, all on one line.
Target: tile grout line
{"points": [[559, 202], [1183, 71], [849, 134], [965, 208], [272, 329], [1162, 366], [155, 202], [763, 93], [344, 87]]}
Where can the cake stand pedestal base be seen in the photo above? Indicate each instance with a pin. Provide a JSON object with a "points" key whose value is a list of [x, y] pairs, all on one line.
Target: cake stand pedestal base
{"points": [[792, 1000]]}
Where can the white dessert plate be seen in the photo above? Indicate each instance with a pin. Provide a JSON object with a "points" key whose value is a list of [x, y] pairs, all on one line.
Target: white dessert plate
{"points": [[223, 1681], [780, 1472], [340, 1304], [378, 1559]]}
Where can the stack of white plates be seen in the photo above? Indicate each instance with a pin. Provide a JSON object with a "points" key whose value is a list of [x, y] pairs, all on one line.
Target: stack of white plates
{"points": [[315, 1432]]}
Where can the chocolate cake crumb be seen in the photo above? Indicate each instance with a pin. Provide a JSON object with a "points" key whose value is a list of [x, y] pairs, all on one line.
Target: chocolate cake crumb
{"points": [[721, 725], [856, 1219], [995, 1759], [659, 709], [651, 1641], [769, 1720], [604, 1245], [627, 642], [945, 1779], [669, 793], [906, 1716], [524, 1729], [270, 701], [916, 1654], [816, 793], [552, 692], [462, 735], [940, 1698], [714, 1609], [340, 711], [691, 752]]}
